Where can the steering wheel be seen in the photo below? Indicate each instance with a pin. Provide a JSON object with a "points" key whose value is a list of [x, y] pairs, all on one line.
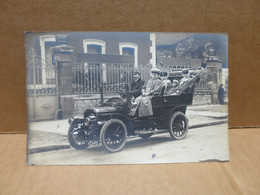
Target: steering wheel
{"points": [[122, 92]]}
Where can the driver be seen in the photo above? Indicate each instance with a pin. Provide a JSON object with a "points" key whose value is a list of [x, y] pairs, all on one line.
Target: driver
{"points": [[136, 85]]}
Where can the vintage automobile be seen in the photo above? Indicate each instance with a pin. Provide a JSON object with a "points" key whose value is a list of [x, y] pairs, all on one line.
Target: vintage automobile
{"points": [[110, 123]]}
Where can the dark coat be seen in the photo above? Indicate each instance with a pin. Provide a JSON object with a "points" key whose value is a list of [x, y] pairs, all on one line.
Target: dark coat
{"points": [[221, 93], [136, 88]]}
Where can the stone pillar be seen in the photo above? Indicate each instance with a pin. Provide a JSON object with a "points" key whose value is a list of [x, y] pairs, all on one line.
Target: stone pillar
{"points": [[63, 58], [215, 73]]}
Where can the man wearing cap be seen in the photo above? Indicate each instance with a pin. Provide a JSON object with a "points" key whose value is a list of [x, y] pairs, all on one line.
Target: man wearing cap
{"points": [[136, 85]]}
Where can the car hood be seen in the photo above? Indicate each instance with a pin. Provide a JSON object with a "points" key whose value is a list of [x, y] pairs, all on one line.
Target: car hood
{"points": [[105, 109]]}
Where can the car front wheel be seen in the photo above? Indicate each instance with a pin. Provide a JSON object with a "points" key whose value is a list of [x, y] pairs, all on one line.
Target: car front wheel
{"points": [[77, 136], [113, 135]]}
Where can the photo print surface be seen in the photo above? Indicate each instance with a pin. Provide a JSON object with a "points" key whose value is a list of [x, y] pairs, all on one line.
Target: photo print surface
{"points": [[126, 97]]}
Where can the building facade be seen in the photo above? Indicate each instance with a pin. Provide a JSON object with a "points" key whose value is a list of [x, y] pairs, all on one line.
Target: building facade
{"points": [[65, 69]]}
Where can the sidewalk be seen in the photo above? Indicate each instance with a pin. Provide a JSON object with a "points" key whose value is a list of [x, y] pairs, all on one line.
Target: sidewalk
{"points": [[51, 135], [56, 126], [206, 114]]}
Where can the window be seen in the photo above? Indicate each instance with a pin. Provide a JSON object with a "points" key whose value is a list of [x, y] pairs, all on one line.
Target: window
{"points": [[94, 46], [93, 70], [129, 49], [47, 69], [94, 49]]}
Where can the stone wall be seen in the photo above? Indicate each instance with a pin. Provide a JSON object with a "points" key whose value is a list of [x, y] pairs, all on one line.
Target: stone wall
{"points": [[76, 104], [202, 99], [67, 105]]}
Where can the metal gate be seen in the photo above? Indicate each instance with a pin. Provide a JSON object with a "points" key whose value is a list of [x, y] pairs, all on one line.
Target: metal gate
{"points": [[42, 98]]}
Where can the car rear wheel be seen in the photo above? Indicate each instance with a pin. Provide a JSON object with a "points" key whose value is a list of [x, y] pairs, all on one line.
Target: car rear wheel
{"points": [[113, 135], [77, 136], [178, 125]]}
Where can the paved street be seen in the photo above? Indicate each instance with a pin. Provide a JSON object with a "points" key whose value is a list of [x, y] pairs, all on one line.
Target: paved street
{"points": [[201, 144], [207, 139], [195, 114]]}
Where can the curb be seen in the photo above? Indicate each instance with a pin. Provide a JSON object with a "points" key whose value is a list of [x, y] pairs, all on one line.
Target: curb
{"points": [[208, 124], [47, 148]]}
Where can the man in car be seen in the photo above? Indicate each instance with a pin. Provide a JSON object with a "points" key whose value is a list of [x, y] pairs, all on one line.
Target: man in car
{"points": [[135, 88], [136, 85], [151, 88]]}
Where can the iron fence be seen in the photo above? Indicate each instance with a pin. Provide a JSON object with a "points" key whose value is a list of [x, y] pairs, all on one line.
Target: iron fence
{"points": [[87, 78]]}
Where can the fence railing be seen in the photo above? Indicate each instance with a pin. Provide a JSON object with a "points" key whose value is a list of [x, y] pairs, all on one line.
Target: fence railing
{"points": [[42, 77], [87, 78]]}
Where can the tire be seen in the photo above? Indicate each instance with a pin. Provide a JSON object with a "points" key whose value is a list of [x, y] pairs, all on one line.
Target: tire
{"points": [[77, 136], [178, 125], [113, 135]]}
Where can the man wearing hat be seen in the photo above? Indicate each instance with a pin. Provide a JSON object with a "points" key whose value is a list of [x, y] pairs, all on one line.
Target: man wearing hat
{"points": [[136, 85]]}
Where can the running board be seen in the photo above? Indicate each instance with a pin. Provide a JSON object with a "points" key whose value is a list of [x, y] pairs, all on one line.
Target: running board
{"points": [[138, 132]]}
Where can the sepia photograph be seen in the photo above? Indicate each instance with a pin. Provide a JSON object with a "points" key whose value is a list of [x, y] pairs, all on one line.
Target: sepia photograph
{"points": [[126, 97]]}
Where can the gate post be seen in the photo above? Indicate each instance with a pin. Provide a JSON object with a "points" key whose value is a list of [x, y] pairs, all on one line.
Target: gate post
{"points": [[62, 55], [215, 70]]}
